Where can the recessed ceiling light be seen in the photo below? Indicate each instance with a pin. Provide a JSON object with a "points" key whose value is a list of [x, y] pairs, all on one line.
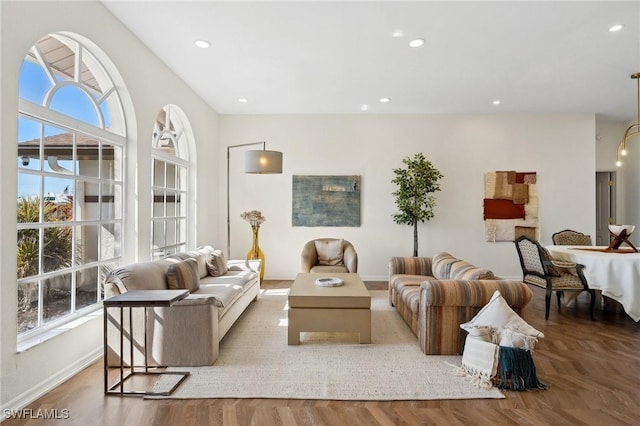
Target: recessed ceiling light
{"points": [[397, 33], [416, 43], [242, 100], [202, 44], [615, 28], [384, 100], [364, 107], [497, 102]]}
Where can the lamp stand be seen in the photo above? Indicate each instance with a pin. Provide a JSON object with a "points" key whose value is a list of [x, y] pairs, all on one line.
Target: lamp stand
{"points": [[260, 162]]}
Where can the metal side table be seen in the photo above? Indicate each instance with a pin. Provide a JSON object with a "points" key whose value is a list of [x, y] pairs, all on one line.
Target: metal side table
{"points": [[137, 299]]}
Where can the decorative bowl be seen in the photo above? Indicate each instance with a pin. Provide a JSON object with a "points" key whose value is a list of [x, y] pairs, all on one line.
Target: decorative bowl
{"points": [[617, 229], [329, 282]]}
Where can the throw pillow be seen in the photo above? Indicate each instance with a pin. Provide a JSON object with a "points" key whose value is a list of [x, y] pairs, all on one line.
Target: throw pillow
{"points": [[463, 270], [217, 263], [330, 252], [184, 274], [441, 265], [499, 315], [547, 257]]}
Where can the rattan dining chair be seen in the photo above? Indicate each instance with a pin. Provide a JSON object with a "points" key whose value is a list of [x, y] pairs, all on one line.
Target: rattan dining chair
{"points": [[569, 237], [541, 270]]}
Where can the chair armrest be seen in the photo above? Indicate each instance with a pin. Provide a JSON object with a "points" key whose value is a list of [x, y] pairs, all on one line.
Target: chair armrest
{"points": [[309, 256], [350, 258]]}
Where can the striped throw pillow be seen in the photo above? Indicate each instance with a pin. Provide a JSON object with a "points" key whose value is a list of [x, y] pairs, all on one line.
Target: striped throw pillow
{"points": [[184, 274]]}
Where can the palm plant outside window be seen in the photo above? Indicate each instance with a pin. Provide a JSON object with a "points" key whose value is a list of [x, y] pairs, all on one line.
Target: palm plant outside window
{"points": [[70, 183]]}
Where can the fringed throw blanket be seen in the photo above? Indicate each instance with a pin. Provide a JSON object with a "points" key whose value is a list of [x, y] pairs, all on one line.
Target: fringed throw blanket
{"points": [[516, 370], [479, 362]]}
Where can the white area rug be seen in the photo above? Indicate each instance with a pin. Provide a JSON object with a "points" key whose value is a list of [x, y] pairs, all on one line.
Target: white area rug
{"points": [[256, 362]]}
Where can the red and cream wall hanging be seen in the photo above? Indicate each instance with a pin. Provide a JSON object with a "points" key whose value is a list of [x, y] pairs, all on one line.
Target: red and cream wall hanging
{"points": [[510, 205]]}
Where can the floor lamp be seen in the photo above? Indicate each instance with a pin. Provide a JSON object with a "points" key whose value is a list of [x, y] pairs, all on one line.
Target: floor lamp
{"points": [[255, 161]]}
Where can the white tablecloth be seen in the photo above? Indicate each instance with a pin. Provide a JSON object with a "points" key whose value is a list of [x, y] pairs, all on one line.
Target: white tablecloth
{"points": [[617, 275]]}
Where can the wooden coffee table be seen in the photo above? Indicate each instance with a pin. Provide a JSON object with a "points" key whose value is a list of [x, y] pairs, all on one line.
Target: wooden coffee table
{"points": [[329, 309]]}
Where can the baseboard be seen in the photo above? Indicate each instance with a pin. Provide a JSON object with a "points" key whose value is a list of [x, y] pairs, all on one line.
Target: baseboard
{"points": [[49, 384]]}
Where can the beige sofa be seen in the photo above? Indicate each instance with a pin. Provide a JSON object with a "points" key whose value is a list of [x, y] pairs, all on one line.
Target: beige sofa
{"points": [[435, 295], [188, 333]]}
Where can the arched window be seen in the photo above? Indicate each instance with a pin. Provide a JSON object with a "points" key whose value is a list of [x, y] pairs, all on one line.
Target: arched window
{"points": [[71, 137], [170, 185]]}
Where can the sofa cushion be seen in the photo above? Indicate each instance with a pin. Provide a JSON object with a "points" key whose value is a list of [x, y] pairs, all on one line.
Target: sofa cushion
{"points": [[217, 263], [200, 255], [463, 270], [441, 265], [330, 252], [321, 269], [184, 274]]}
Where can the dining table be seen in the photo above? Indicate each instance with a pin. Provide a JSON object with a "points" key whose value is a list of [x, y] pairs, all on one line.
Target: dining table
{"points": [[616, 273]]}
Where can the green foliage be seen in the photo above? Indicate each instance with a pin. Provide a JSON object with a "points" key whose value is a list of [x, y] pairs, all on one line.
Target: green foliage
{"points": [[416, 183], [57, 241]]}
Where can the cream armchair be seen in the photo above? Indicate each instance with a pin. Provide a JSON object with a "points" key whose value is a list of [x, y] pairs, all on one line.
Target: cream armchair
{"points": [[329, 255]]}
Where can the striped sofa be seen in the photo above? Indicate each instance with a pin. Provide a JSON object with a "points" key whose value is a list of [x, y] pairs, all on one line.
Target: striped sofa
{"points": [[435, 295]]}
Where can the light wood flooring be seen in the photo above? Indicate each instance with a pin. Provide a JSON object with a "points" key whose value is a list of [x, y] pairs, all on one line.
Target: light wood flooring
{"points": [[592, 367]]}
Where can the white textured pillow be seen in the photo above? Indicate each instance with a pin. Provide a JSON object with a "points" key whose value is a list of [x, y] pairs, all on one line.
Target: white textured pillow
{"points": [[217, 263], [499, 315]]}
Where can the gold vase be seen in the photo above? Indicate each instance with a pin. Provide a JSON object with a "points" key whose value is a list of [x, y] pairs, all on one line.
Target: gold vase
{"points": [[255, 252]]}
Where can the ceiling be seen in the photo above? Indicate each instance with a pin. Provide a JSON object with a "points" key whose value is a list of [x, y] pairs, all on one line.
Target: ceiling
{"points": [[333, 57]]}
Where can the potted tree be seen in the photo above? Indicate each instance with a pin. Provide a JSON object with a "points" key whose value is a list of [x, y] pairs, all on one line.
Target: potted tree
{"points": [[416, 184]]}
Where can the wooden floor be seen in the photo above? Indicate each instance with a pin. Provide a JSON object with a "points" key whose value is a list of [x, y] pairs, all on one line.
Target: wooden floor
{"points": [[592, 367]]}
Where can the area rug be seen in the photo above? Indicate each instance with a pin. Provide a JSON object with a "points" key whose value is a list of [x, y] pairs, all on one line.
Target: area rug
{"points": [[256, 362]]}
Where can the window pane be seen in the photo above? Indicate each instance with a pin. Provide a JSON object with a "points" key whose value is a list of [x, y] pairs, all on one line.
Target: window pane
{"points": [[28, 252], [28, 206], [28, 144], [58, 150], [110, 237], [88, 203], [56, 297], [171, 237], [181, 205], [158, 203], [58, 201], [171, 175], [87, 153], [181, 229], [27, 306], [158, 174], [158, 234], [29, 186], [74, 102], [172, 199], [56, 252], [34, 83], [86, 287], [111, 162], [110, 201], [86, 244]]}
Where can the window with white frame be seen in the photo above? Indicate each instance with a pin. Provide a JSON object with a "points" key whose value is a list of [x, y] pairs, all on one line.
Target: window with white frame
{"points": [[170, 185], [71, 139]]}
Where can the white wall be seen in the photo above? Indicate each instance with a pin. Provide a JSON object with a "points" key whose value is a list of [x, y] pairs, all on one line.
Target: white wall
{"points": [[150, 85], [559, 147]]}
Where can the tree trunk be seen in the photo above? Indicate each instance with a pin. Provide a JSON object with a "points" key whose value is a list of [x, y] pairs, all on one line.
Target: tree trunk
{"points": [[415, 238]]}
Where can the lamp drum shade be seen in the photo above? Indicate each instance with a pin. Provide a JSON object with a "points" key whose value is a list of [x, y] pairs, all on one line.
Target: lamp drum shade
{"points": [[262, 161]]}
